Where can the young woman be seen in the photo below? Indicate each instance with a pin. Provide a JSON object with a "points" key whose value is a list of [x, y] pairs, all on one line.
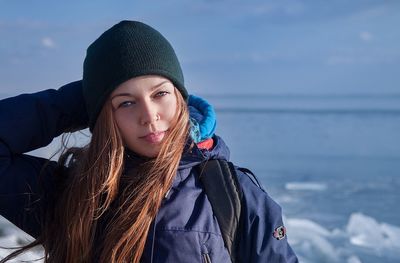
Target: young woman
{"points": [[133, 194]]}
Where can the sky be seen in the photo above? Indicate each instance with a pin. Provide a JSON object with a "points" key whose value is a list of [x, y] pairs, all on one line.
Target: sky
{"points": [[225, 46]]}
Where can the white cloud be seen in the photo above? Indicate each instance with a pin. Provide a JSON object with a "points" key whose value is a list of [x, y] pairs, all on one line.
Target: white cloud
{"points": [[48, 42], [366, 36]]}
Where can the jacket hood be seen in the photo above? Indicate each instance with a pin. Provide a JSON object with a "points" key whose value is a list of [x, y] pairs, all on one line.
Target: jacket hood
{"points": [[192, 155]]}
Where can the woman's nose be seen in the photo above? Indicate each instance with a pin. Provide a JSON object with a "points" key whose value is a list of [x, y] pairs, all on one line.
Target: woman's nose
{"points": [[149, 114]]}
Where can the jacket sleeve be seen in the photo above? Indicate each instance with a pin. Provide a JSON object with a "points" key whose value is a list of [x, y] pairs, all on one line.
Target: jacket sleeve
{"points": [[28, 122], [261, 218]]}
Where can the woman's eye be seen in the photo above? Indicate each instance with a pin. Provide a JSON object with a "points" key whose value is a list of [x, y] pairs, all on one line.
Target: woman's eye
{"points": [[161, 93], [125, 104]]}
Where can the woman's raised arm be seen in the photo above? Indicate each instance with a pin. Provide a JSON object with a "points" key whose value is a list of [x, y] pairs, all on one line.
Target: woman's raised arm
{"points": [[31, 121], [28, 122]]}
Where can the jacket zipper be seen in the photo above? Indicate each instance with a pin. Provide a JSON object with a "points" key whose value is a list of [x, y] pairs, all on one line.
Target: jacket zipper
{"points": [[206, 258]]}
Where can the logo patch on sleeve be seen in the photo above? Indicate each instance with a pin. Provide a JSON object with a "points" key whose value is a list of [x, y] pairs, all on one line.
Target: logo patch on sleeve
{"points": [[280, 232]]}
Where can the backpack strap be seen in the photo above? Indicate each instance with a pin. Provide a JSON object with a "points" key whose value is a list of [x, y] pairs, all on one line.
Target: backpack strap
{"points": [[223, 191], [252, 177]]}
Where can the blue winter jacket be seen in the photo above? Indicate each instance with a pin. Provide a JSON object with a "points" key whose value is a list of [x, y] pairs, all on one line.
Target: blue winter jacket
{"points": [[184, 230]]}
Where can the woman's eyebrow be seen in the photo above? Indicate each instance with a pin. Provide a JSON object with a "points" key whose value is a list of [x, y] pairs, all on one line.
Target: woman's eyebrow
{"points": [[130, 95], [159, 85], [121, 95]]}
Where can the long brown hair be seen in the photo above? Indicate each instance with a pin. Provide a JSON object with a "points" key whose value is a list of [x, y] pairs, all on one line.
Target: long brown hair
{"points": [[93, 189]]}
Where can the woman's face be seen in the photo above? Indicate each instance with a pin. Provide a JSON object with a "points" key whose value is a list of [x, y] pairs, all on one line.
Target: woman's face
{"points": [[144, 108]]}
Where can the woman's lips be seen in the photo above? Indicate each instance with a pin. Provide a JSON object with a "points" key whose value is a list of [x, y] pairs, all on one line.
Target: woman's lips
{"points": [[154, 137]]}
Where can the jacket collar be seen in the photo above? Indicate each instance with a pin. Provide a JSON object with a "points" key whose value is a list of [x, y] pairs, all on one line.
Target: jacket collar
{"points": [[193, 155]]}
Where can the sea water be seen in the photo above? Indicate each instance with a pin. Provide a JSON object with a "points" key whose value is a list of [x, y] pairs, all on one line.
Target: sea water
{"points": [[331, 162]]}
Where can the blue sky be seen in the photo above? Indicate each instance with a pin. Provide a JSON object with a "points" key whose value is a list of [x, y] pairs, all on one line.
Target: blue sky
{"points": [[267, 47]]}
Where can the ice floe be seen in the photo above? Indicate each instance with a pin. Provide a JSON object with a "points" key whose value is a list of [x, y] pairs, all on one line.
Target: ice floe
{"points": [[309, 186], [315, 243]]}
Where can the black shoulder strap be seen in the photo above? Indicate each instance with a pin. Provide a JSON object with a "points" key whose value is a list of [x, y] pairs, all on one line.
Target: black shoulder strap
{"points": [[222, 188], [251, 176]]}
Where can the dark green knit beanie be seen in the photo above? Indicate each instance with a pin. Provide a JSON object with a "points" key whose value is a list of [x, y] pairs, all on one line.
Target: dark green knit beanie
{"points": [[128, 49]]}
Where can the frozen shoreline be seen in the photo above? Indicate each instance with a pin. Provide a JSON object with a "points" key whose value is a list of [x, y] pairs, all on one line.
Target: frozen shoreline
{"points": [[11, 236], [363, 239]]}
